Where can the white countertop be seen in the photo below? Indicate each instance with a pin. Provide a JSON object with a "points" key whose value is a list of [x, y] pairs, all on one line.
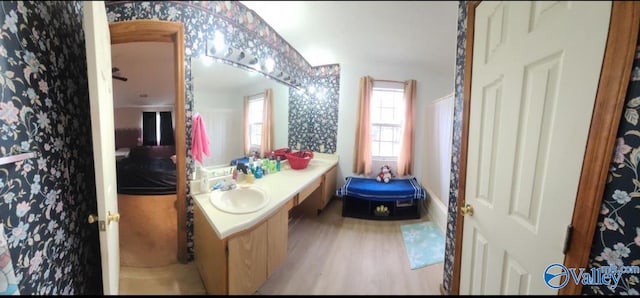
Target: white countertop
{"points": [[279, 187]]}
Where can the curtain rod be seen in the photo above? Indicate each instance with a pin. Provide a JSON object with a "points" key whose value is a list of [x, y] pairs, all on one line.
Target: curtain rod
{"points": [[390, 81], [259, 93]]}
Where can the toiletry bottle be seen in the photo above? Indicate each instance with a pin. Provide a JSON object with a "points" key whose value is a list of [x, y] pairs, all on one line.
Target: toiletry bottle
{"points": [[249, 177], [258, 173], [272, 165], [278, 163]]}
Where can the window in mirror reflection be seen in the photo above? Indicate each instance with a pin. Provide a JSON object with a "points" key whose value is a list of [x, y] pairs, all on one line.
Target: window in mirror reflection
{"points": [[256, 103], [157, 129]]}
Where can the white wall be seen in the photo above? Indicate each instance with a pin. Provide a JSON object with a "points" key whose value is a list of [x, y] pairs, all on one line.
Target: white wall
{"points": [[430, 86], [436, 175], [223, 114], [437, 147]]}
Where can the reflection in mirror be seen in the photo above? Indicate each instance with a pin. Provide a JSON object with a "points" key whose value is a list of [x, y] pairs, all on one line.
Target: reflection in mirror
{"points": [[218, 91]]}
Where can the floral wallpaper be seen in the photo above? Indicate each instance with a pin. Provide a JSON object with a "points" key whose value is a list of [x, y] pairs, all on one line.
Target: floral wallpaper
{"points": [[455, 147], [243, 29], [617, 238], [313, 117], [44, 108]]}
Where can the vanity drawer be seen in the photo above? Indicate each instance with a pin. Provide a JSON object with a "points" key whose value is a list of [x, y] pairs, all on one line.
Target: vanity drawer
{"points": [[309, 189]]}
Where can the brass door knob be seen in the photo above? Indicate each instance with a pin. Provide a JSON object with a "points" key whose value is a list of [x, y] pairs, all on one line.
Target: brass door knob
{"points": [[93, 218], [113, 217], [467, 210], [110, 217]]}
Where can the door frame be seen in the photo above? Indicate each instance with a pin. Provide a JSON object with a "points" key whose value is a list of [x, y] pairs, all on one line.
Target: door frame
{"points": [[610, 97], [173, 32]]}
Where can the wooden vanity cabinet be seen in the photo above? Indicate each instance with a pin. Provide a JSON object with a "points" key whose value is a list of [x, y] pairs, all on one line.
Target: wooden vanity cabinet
{"points": [[241, 263]]}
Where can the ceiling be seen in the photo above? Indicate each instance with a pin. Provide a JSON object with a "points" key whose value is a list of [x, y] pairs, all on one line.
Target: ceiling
{"points": [[149, 68], [412, 33], [419, 33]]}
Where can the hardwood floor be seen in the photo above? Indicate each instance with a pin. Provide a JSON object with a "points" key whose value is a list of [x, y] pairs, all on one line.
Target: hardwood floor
{"points": [[331, 255], [174, 279], [328, 255]]}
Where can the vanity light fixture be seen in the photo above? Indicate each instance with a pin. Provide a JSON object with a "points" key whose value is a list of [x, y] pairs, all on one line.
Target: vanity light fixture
{"points": [[219, 51]]}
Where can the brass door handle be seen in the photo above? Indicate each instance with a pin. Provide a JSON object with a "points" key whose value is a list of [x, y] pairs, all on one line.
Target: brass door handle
{"points": [[467, 210], [93, 218], [110, 217], [113, 217]]}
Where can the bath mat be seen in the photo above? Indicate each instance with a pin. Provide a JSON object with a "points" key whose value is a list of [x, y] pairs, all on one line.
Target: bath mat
{"points": [[424, 244]]}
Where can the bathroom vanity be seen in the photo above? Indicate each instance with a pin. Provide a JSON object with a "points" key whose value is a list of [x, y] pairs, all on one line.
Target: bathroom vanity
{"points": [[236, 253]]}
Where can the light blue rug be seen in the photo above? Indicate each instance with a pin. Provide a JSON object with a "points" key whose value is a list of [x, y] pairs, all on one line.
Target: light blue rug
{"points": [[424, 243]]}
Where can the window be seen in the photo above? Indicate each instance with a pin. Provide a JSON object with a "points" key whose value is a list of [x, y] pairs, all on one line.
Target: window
{"points": [[387, 115], [157, 129], [256, 104]]}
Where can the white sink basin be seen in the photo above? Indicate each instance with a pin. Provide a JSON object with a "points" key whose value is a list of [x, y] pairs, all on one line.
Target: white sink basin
{"points": [[240, 200]]}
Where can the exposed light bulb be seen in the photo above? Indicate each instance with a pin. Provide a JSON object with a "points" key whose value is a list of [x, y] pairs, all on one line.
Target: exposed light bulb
{"points": [[218, 41], [269, 64]]}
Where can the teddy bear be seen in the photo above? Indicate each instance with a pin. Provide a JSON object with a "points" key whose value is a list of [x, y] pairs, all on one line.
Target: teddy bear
{"points": [[385, 174]]}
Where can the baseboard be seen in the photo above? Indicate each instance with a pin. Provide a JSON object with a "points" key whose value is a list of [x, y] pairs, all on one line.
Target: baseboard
{"points": [[442, 291], [436, 210]]}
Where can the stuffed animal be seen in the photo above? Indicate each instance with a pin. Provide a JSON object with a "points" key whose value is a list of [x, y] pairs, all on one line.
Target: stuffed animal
{"points": [[385, 174]]}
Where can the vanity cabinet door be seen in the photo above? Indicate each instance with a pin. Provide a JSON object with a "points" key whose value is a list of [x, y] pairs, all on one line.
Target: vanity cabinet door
{"points": [[329, 186], [278, 236], [209, 254], [248, 261]]}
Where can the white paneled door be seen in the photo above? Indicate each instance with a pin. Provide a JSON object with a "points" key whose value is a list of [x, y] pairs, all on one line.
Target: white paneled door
{"points": [[98, 49], [535, 72]]}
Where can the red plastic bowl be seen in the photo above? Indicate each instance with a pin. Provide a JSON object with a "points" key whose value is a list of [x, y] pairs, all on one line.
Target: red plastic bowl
{"points": [[299, 160]]}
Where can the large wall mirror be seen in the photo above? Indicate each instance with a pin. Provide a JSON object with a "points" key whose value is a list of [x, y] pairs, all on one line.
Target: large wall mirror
{"points": [[310, 123], [218, 92]]}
